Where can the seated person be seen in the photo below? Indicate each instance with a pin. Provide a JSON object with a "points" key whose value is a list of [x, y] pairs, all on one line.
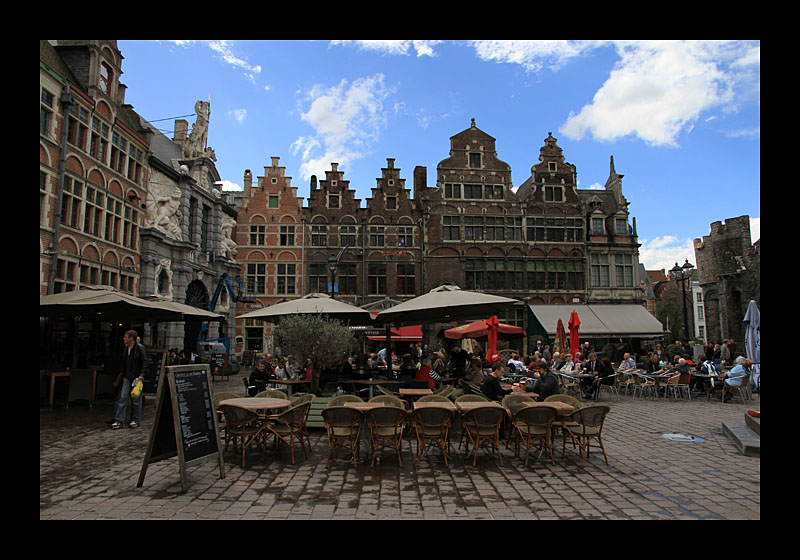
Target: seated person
{"points": [[546, 382], [517, 365], [735, 376], [705, 367], [491, 387], [262, 373], [475, 372], [628, 361]]}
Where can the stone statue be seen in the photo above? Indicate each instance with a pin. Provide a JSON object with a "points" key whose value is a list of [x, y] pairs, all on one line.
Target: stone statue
{"points": [[228, 244], [195, 145], [163, 210]]}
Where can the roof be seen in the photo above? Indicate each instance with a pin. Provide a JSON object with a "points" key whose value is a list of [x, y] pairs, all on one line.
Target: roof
{"points": [[600, 320]]}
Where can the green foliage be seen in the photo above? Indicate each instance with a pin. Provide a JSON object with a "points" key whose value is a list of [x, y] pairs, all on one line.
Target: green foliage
{"points": [[315, 338]]}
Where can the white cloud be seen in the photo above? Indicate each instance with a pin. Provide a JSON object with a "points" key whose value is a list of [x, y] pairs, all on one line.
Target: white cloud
{"points": [[664, 252], [238, 114], [393, 47], [659, 89], [225, 50], [229, 186], [533, 55], [347, 119]]}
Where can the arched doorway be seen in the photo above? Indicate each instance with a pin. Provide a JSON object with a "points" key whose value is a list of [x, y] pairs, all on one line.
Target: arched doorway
{"points": [[196, 296]]}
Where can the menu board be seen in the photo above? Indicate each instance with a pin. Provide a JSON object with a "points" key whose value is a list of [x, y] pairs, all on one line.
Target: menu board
{"points": [[185, 423], [156, 360]]}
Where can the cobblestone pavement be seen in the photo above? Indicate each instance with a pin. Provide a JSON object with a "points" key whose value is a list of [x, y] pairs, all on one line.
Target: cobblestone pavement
{"points": [[88, 471]]}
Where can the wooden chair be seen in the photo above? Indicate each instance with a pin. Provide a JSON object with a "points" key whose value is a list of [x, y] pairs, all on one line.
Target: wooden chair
{"points": [[272, 394], [339, 400], [289, 426], [386, 425], [245, 425], [512, 403], [433, 398], [533, 425], [742, 391], [482, 426], [432, 427], [343, 425], [589, 425], [390, 400]]}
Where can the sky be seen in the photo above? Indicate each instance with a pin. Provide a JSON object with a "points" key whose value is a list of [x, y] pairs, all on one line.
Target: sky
{"points": [[682, 119]]}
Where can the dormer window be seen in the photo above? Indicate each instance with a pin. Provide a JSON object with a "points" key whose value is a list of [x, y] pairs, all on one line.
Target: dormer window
{"points": [[551, 166], [106, 76], [553, 193], [475, 160]]}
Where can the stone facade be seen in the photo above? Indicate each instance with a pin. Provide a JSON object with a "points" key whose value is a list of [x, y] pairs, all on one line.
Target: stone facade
{"points": [[728, 266]]}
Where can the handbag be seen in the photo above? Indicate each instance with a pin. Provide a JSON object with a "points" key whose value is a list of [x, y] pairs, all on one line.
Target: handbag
{"points": [[137, 389]]}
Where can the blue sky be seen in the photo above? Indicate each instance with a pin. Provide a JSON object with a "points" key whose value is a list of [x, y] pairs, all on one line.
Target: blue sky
{"points": [[682, 119]]}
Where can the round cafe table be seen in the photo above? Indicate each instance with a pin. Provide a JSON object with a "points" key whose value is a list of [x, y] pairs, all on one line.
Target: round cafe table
{"points": [[258, 403]]}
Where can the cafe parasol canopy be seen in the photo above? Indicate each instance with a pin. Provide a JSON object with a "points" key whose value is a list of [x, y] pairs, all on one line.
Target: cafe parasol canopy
{"points": [[444, 304], [314, 303], [108, 302], [480, 329], [561, 336], [574, 326]]}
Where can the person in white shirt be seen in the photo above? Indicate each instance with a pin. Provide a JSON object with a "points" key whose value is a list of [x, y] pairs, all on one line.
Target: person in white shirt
{"points": [[629, 362], [569, 366], [519, 367]]}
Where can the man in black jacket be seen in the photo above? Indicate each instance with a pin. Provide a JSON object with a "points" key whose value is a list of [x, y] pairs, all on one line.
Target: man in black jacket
{"points": [[134, 361], [491, 387], [546, 383]]}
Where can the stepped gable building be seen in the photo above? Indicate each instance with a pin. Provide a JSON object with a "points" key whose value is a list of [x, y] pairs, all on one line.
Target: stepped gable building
{"points": [[270, 244]]}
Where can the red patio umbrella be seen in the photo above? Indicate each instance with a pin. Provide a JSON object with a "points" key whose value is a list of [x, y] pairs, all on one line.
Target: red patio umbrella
{"points": [[574, 328], [480, 329], [492, 355], [561, 335]]}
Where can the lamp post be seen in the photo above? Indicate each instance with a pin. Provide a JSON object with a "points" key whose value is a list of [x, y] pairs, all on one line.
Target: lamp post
{"points": [[683, 273], [333, 263]]}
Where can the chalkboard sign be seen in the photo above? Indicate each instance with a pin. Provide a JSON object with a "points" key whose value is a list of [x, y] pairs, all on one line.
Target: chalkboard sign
{"points": [[185, 422], [156, 360]]}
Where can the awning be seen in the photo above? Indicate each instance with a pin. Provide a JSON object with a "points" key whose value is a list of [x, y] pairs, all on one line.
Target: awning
{"points": [[412, 333], [600, 320]]}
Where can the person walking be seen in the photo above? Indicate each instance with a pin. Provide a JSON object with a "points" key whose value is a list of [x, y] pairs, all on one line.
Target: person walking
{"points": [[134, 362]]}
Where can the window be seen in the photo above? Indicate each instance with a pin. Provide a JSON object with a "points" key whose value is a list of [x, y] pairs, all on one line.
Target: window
{"points": [[473, 191], [130, 227], [514, 229], [452, 190], [71, 200], [473, 228], [551, 166], [45, 112], [474, 274], [257, 235], [535, 229], [597, 226], [347, 236], [319, 235], [106, 76], [272, 201], [622, 226], [574, 229], [256, 279], [318, 278], [65, 277], [405, 279], [700, 315], [376, 278], [333, 201], [376, 238], [286, 236], [78, 126], [495, 228], [346, 278], [493, 192], [134, 163], [536, 275], [624, 268], [119, 148], [286, 278], [495, 275], [405, 236], [475, 160], [599, 272], [206, 229], [113, 219], [451, 230], [391, 203], [575, 275], [556, 277], [98, 145], [553, 194]]}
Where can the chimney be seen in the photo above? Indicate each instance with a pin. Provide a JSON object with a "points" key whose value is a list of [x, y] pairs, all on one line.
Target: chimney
{"points": [[181, 130], [313, 182], [420, 180]]}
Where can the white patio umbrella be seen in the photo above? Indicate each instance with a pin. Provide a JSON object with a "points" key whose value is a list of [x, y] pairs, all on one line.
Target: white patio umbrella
{"points": [[752, 340], [314, 303], [446, 303]]}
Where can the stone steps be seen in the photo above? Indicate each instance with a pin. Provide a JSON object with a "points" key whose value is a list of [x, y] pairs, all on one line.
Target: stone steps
{"points": [[745, 434]]}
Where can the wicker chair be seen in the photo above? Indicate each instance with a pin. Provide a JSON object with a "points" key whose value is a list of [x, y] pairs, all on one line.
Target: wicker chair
{"points": [[569, 384], [289, 426], [533, 425], [471, 398], [386, 425], [272, 394], [565, 420], [589, 426], [386, 391], [390, 400], [432, 426], [343, 425], [482, 426], [433, 398], [309, 398], [339, 400], [512, 403], [243, 424], [218, 398], [742, 391]]}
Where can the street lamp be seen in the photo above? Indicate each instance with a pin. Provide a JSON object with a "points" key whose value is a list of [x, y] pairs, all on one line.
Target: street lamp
{"points": [[333, 262], [683, 273]]}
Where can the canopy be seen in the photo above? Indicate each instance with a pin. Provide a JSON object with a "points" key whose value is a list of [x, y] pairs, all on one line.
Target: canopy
{"points": [[411, 333], [601, 320], [480, 329], [314, 303], [752, 338], [444, 304], [561, 336], [118, 305], [574, 327]]}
